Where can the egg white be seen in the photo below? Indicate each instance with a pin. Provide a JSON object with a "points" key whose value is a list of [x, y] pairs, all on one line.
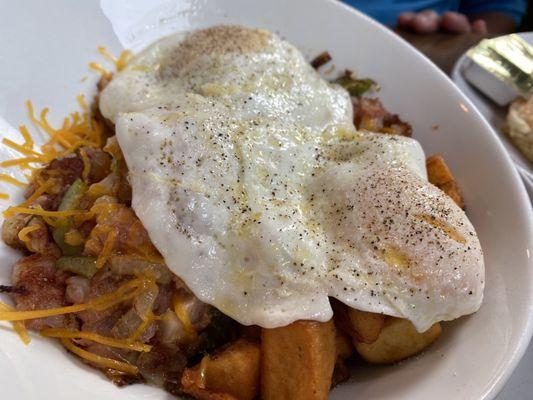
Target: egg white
{"points": [[260, 194]]}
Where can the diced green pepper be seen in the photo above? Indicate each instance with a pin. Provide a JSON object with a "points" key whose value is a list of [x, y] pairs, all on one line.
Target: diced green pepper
{"points": [[84, 266], [59, 237], [70, 201], [356, 87]]}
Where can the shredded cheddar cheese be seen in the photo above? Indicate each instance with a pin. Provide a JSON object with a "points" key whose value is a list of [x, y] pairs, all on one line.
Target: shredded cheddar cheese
{"points": [[125, 292], [100, 69], [103, 362], [103, 51], [11, 180], [147, 318], [23, 162], [105, 209], [53, 222], [81, 101], [28, 140], [123, 60], [94, 337], [19, 327], [77, 130], [120, 62], [24, 315], [36, 194], [41, 122], [183, 316], [86, 165], [20, 148], [24, 232], [142, 327], [39, 211], [107, 249]]}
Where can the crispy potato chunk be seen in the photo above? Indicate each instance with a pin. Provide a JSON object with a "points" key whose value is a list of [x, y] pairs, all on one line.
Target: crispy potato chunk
{"points": [[362, 326], [438, 171], [297, 361], [231, 374], [398, 340], [452, 190], [440, 175], [366, 326]]}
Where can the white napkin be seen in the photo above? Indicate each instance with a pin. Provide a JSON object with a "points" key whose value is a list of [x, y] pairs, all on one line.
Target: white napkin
{"points": [[138, 23]]}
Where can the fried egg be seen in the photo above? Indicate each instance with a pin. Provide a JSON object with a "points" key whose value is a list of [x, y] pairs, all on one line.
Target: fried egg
{"points": [[255, 186]]}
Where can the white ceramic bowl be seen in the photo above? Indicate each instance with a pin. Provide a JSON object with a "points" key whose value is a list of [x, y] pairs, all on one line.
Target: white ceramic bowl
{"points": [[45, 48]]}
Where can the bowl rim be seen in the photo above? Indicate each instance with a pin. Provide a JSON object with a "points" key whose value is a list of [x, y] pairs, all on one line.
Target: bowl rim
{"points": [[521, 195]]}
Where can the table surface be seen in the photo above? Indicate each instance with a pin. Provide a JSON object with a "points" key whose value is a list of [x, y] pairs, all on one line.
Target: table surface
{"points": [[444, 50]]}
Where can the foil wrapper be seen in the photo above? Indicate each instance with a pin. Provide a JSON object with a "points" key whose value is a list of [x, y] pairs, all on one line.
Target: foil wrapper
{"points": [[501, 68]]}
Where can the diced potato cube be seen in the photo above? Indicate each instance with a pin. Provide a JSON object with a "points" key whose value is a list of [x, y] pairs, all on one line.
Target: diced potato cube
{"points": [[452, 190], [298, 361], [440, 175], [438, 171], [362, 326], [397, 341], [231, 374]]}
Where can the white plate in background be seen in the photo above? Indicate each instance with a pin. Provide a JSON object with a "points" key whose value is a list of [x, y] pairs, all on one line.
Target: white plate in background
{"points": [[496, 116], [44, 51]]}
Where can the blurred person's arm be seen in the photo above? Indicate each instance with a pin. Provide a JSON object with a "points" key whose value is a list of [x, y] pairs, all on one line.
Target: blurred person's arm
{"points": [[428, 21], [478, 16], [496, 22], [501, 16]]}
